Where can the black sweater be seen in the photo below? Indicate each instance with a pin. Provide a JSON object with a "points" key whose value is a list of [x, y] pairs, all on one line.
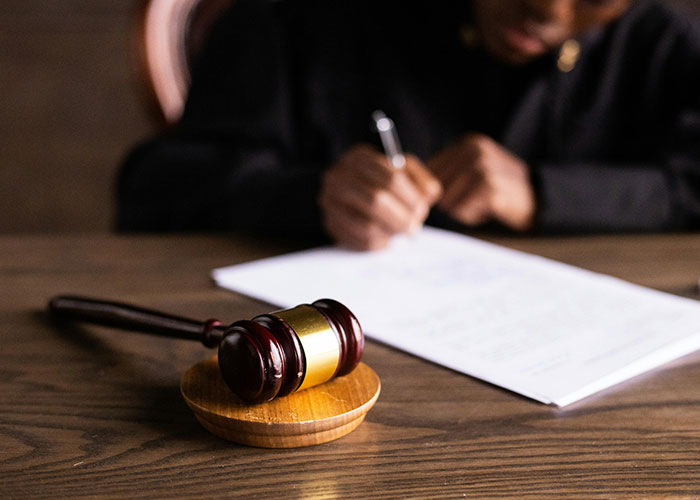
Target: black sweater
{"points": [[284, 88]]}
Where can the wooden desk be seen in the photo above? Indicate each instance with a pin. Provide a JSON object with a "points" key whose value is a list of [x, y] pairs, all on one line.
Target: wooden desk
{"points": [[91, 412]]}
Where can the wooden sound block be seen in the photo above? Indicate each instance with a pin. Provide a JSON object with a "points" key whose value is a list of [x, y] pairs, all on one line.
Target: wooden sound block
{"points": [[312, 416]]}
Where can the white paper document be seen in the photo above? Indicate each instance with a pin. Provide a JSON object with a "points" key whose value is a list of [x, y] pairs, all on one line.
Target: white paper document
{"points": [[549, 331]]}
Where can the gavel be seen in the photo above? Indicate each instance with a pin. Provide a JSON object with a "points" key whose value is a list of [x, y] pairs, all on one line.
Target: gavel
{"points": [[269, 356]]}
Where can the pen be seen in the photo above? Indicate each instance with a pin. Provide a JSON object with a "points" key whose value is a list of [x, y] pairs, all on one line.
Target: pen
{"points": [[390, 139]]}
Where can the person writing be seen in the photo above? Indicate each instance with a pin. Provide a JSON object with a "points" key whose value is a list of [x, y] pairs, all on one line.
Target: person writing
{"points": [[533, 115]]}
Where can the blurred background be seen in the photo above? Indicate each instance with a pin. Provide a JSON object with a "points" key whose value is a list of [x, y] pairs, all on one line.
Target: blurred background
{"points": [[71, 106]]}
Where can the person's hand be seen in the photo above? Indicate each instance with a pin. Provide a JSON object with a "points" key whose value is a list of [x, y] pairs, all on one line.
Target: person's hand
{"points": [[483, 181], [365, 201]]}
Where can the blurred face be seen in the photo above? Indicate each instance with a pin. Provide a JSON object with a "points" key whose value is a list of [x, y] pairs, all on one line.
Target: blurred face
{"points": [[518, 31]]}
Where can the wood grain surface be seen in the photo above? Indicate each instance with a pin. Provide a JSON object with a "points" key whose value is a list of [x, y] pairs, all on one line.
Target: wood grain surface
{"points": [[88, 412]]}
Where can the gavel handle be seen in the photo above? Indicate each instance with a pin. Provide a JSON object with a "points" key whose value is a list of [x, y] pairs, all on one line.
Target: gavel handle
{"points": [[129, 317]]}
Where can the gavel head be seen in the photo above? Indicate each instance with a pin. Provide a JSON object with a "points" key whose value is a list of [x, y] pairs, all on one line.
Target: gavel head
{"points": [[285, 351]]}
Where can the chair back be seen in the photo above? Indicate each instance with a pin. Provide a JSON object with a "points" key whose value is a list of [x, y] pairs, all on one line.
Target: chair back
{"points": [[171, 34]]}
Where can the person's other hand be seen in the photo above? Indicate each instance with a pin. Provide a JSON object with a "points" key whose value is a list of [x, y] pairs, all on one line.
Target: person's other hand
{"points": [[483, 181], [365, 201]]}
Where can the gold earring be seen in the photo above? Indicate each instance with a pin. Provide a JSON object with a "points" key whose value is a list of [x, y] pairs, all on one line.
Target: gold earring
{"points": [[568, 55]]}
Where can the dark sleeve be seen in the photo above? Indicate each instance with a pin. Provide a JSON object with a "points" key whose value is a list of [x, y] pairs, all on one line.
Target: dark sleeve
{"points": [[232, 161], [659, 192], [591, 198]]}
